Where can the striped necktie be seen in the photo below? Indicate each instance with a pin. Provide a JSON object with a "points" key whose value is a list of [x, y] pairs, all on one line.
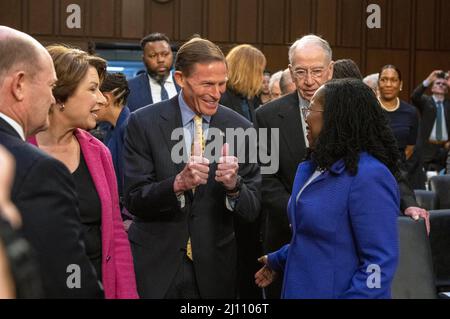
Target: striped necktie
{"points": [[198, 138]]}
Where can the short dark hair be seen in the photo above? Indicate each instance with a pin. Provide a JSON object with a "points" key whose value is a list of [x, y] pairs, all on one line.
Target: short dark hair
{"points": [[197, 50], [346, 68], [117, 84], [353, 122], [154, 37], [391, 66]]}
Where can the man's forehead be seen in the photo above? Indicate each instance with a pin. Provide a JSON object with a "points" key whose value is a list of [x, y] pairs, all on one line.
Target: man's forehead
{"points": [[204, 69], [310, 55], [156, 44]]}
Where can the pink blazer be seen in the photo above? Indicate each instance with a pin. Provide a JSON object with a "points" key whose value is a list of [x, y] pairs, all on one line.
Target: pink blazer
{"points": [[119, 281]]}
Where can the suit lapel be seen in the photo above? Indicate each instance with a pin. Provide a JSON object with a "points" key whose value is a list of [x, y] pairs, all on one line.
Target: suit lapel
{"points": [[5, 127], [146, 89], [304, 171], [175, 82], [291, 127], [169, 121], [447, 114]]}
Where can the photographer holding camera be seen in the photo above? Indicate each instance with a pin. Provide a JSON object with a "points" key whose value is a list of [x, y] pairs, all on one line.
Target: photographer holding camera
{"points": [[435, 117]]}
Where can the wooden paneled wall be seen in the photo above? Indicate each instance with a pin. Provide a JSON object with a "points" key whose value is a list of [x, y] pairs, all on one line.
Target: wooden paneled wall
{"points": [[414, 34]]}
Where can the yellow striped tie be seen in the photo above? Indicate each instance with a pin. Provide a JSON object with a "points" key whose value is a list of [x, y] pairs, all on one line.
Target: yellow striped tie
{"points": [[198, 138]]}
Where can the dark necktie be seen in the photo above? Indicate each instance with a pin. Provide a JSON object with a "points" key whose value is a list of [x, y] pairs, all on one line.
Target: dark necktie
{"points": [[164, 94], [246, 109], [439, 110]]}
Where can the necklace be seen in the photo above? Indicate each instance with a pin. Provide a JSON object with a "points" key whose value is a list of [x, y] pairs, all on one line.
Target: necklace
{"points": [[390, 109]]}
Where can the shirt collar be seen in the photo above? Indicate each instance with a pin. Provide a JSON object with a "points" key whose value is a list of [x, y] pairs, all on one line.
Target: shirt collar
{"points": [[16, 126], [436, 99], [302, 102], [186, 112]]}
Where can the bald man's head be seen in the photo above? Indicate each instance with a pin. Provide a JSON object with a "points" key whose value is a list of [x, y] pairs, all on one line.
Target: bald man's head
{"points": [[27, 78], [19, 51]]}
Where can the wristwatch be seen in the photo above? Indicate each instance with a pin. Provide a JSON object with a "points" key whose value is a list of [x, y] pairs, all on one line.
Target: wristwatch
{"points": [[236, 188]]}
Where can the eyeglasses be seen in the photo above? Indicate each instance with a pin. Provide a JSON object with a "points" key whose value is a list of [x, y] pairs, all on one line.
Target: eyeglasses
{"points": [[303, 73], [440, 83], [306, 110]]}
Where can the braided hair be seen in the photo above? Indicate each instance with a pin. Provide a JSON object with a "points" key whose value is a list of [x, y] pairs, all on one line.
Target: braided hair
{"points": [[354, 123], [116, 83]]}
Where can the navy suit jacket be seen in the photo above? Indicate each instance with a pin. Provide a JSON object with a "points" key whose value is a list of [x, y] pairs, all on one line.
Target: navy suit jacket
{"points": [[114, 141], [140, 91], [44, 193], [161, 228], [342, 226]]}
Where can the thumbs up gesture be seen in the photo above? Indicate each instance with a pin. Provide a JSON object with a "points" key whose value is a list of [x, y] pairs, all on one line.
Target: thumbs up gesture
{"points": [[227, 169], [194, 174]]}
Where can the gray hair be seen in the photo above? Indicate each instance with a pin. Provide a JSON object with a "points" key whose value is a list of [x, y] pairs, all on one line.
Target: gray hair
{"points": [[372, 80], [274, 78], [285, 81], [311, 40]]}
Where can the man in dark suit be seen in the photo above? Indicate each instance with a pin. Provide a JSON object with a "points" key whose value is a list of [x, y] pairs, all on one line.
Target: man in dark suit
{"points": [[157, 84], [234, 101], [43, 190], [183, 237], [311, 66], [435, 120]]}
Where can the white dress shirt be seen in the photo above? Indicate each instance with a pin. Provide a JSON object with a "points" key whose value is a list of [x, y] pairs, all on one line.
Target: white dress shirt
{"points": [[155, 88], [16, 126]]}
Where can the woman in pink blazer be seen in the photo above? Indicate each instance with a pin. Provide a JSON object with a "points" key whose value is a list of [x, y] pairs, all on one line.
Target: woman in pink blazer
{"points": [[78, 99]]}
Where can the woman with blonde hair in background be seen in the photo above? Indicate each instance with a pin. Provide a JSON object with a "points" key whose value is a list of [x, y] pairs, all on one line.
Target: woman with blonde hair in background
{"points": [[246, 66]]}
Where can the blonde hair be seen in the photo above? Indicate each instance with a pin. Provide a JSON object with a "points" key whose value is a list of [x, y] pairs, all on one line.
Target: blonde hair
{"points": [[246, 66]]}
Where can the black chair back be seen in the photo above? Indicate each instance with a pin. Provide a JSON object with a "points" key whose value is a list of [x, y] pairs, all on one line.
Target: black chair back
{"points": [[440, 247], [426, 199], [441, 186], [414, 278]]}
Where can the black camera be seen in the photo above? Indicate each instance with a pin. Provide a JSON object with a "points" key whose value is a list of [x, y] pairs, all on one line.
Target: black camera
{"points": [[442, 75]]}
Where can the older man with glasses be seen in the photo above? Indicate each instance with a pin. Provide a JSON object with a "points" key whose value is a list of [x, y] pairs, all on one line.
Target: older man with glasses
{"points": [[310, 64]]}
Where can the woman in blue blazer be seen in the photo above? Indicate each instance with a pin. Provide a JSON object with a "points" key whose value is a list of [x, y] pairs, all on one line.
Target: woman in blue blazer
{"points": [[344, 204]]}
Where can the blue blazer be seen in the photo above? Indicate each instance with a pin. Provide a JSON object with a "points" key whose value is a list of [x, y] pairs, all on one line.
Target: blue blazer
{"points": [[140, 92], [341, 225], [115, 141]]}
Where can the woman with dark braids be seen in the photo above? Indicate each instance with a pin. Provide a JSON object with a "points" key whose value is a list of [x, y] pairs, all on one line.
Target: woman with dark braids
{"points": [[344, 204]]}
